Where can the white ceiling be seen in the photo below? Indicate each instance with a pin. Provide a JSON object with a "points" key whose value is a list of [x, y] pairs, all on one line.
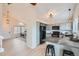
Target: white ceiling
{"points": [[61, 10], [41, 9]]}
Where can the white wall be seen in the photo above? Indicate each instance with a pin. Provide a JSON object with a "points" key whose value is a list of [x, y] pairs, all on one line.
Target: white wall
{"points": [[65, 26], [2, 31], [75, 25], [35, 34], [76, 20]]}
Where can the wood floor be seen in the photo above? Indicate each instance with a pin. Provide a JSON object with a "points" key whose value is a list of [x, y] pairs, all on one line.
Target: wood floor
{"points": [[17, 47]]}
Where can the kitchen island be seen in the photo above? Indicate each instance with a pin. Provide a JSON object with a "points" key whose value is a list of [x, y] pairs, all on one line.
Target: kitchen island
{"points": [[63, 43]]}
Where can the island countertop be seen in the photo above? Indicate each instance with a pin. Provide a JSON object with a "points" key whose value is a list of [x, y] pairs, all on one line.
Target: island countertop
{"points": [[63, 43]]}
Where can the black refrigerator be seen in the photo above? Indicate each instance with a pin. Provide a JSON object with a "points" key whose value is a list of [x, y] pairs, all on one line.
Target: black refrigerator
{"points": [[42, 34]]}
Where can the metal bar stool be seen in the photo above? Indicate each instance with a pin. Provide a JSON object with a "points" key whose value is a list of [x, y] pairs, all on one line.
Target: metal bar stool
{"points": [[68, 53], [50, 51]]}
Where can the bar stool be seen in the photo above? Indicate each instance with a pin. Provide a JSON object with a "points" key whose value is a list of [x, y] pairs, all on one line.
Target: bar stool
{"points": [[68, 53], [50, 51]]}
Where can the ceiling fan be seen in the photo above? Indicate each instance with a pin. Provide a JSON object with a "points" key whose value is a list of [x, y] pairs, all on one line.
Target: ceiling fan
{"points": [[9, 3], [34, 4]]}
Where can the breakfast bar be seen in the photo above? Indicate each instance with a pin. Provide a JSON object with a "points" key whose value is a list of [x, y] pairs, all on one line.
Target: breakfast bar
{"points": [[64, 43]]}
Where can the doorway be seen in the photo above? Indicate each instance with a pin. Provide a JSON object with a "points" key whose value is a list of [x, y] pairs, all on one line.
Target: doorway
{"points": [[20, 31]]}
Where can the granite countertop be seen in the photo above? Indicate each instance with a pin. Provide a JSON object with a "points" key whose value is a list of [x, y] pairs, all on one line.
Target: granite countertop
{"points": [[69, 43], [63, 41], [51, 39]]}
